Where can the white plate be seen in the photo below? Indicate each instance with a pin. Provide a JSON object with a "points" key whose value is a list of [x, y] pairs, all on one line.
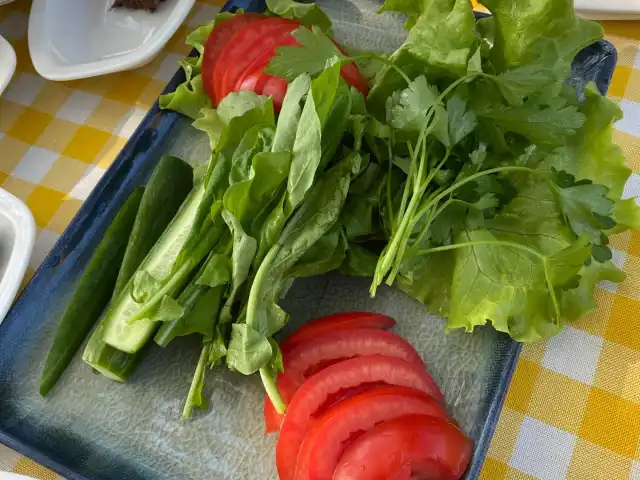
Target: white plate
{"points": [[7, 63], [609, 9], [17, 232], [70, 39]]}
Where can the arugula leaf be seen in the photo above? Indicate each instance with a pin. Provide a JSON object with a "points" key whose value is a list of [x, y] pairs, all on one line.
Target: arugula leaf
{"points": [[249, 350], [216, 271], [244, 250], [359, 261], [309, 14], [307, 147], [324, 256], [290, 113]]}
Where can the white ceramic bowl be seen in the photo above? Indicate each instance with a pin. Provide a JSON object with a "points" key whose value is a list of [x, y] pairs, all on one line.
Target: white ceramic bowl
{"points": [[7, 63], [17, 232], [609, 9], [71, 39]]}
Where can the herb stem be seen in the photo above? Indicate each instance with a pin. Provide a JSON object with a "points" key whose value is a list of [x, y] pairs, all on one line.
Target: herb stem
{"points": [[271, 387], [256, 286], [385, 61], [197, 382]]}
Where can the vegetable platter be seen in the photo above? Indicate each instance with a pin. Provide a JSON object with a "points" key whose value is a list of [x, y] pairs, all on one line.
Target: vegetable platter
{"points": [[471, 178]]}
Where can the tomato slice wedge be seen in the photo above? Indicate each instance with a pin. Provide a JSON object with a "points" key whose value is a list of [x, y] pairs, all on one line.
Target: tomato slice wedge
{"points": [[348, 420], [327, 349], [432, 447], [335, 383], [243, 48], [216, 43], [338, 321]]}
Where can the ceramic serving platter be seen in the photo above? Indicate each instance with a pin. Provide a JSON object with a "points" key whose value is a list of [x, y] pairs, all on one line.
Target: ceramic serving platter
{"points": [[91, 428]]}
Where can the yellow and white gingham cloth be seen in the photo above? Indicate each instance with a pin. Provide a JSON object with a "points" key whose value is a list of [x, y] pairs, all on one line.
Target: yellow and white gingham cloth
{"points": [[573, 409]]}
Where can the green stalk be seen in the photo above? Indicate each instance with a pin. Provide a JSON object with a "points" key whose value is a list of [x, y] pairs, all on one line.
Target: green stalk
{"points": [[268, 380], [196, 383], [385, 61], [271, 387]]}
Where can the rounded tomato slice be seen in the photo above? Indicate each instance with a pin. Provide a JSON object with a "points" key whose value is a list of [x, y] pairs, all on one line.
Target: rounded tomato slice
{"points": [[327, 349], [338, 321], [344, 423], [432, 447], [216, 43], [338, 382], [243, 48]]}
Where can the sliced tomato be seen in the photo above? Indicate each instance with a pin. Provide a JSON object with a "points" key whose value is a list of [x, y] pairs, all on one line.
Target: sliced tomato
{"points": [[432, 447], [338, 382], [348, 420], [338, 321], [276, 88], [327, 349], [243, 48], [216, 43]]}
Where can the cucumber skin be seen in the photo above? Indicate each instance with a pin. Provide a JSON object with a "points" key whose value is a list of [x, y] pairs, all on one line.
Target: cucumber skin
{"points": [[131, 338], [92, 293], [168, 186]]}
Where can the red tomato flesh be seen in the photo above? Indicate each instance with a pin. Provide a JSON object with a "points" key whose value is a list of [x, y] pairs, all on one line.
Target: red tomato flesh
{"points": [[216, 43], [343, 424], [243, 48], [327, 349], [338, 321], [335, 383], [431, 447]]}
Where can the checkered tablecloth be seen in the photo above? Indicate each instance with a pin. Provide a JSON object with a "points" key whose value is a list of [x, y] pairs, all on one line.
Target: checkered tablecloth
{"points": [[573, 409]]}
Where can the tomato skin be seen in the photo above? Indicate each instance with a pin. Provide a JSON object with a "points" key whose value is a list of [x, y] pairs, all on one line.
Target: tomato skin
{"points": [[216, 43], [243, 48], [338, 321], [329, 348], [432, 447], [351, 418], [319, 392]]}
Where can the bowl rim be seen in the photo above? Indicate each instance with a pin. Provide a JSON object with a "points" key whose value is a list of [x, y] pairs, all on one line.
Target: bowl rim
{"points": [[22, 223], [10, 65]]}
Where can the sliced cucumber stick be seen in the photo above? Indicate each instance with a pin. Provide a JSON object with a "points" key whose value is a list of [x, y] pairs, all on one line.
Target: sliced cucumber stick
{"points": [[92, 293], [131, 337], [170, 183]]}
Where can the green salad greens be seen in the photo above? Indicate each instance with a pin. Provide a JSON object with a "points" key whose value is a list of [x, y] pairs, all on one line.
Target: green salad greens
{"points": [[472, 176]]}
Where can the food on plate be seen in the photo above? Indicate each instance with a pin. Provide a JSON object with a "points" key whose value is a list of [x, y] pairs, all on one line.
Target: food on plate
{"points": [[429, 446], [92, 293], [461, 168], [166, 189], [148, 5], [327, 349]]}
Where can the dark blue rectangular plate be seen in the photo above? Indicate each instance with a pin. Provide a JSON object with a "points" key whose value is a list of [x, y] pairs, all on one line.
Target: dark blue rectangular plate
{"points": [[91, 428]]}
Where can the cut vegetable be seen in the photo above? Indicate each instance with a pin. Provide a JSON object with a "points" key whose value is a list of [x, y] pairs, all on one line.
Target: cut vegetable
{"points": [[92, 293], [337, 382], [168, 186], [145, 284], [331, 323], [432, 448], [327, 349], [330, 434]]}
